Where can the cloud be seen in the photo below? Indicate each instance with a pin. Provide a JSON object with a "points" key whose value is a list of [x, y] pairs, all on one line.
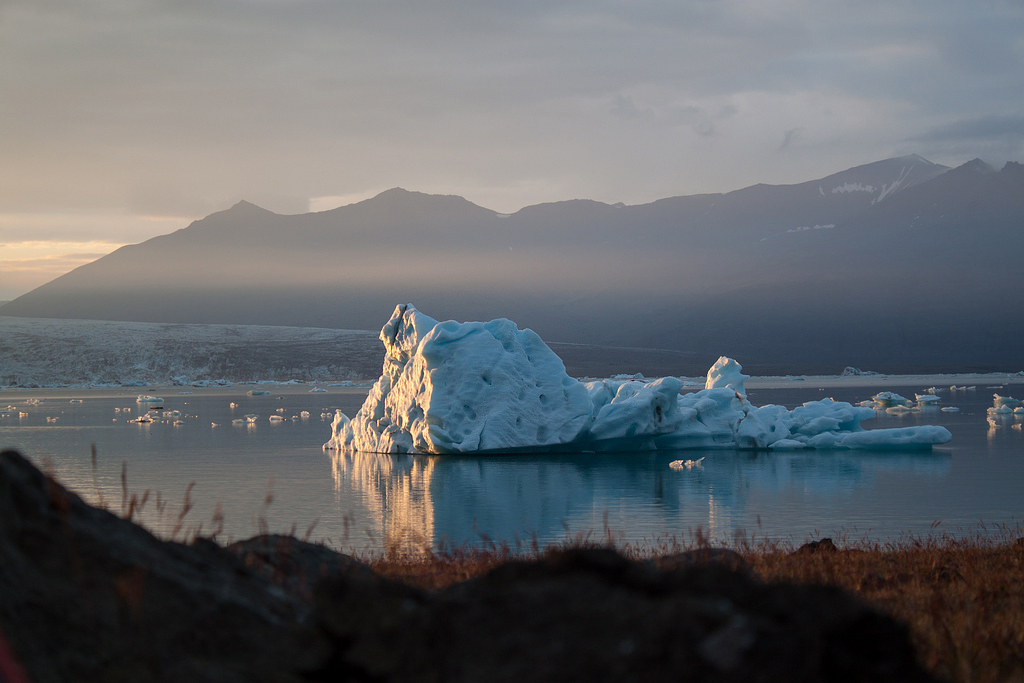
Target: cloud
{"points": [[183, 108], [997, 139], [987, 128]]}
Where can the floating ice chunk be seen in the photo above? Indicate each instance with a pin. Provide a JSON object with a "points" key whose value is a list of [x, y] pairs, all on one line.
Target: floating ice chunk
{"points": [[459, 388], [686, 464], [1004, 401], [258, 392], [143, 398], [920, 437], [887, 399], [637, 375], [484, 387], [950, 409], [726, 373]]}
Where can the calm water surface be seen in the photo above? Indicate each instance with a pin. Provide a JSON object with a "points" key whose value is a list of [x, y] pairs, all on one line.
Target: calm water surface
{"points": [[274, 475]]}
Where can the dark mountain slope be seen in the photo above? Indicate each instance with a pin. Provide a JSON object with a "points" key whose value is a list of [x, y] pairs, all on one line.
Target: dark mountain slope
{"points": [[897, 262]]}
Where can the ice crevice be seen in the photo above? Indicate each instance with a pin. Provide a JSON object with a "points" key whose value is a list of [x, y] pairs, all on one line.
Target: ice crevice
{"points": [[488, 387]]}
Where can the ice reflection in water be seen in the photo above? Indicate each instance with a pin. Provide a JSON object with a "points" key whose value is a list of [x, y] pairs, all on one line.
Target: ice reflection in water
{"points": [[512, 499]]}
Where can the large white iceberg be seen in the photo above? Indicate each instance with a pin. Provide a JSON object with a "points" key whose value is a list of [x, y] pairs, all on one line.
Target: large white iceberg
{"points": [[451, 387]]}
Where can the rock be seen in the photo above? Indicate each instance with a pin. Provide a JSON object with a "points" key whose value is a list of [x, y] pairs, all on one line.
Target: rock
{"points": [[593, 615], [825, 545], [293, 564], [85, 596]]}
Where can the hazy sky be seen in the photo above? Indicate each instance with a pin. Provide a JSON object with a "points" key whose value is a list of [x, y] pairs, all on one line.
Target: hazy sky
{"points": [[124, 119]]}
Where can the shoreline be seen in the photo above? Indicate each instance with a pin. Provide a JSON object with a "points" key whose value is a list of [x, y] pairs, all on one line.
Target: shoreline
{"points": [[980, 381]]}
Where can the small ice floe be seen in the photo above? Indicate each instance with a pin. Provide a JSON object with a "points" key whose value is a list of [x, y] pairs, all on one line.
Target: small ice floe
{"points": [[258, 392], [239, 421], [280, 410], [251, 418], [51, 420], [75, 400], [888, 399], [318, 390], [145, 418], [926, 400], [178, 423], [686, 464], [850, 371], [34, 401], [276, 418], [1008, 401], [145, 398], [304, 415], [233, 405], [214, 425], [950, 409], [1003, 405]]}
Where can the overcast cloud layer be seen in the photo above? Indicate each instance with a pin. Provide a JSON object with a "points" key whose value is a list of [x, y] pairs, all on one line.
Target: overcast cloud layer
{"points": [[123, 119]]}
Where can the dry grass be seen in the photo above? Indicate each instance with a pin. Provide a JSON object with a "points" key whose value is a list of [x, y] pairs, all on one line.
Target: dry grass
{"points": [[963, 599]]}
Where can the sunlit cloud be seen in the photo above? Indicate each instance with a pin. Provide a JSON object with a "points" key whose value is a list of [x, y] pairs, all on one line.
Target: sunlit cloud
{"points": [[28, 264]]}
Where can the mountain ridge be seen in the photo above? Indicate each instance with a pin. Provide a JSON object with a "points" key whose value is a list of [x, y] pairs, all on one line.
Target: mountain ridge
{"points": [[771, 269]]}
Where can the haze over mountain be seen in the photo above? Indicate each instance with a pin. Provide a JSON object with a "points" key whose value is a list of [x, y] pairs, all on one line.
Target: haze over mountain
{"points": [[899, 264]]}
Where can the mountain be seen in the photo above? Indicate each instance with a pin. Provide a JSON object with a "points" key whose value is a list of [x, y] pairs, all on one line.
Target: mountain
{"points": [[900, 263]]}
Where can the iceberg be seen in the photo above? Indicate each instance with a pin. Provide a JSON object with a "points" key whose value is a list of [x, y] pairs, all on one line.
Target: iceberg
{"points": [[488, 387]]}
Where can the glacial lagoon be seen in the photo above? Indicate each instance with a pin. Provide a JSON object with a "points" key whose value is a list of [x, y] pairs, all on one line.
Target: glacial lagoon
{"points": [[238, 479]]}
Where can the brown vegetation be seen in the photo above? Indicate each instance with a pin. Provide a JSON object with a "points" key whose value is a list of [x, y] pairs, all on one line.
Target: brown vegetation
{"points": [[963, 599]]}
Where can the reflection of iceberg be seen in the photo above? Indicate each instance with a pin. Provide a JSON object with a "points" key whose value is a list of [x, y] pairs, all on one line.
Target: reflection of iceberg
{"points": [[395, 490], [423, 500], [491, 387]]}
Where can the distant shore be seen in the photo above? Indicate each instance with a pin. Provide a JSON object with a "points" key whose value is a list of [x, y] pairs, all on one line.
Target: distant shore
{"points": [[979, 381]]}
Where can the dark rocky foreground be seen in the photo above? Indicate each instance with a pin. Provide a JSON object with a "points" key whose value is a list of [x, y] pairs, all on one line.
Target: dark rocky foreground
{"points": [[87, 596]]}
